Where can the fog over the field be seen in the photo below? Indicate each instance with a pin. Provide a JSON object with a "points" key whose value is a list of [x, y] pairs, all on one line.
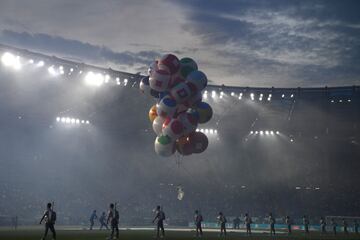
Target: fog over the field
{"points": [[244, 43], [84, 167]]}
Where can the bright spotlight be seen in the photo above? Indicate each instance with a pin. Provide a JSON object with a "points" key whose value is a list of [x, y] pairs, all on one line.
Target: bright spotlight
{"points": [[77, 121], [232, 94], [291, 140], [240, 96], [10, 60], [107, 78], [197, 130], [292, 95], [267, 132], [63, 120], [277, 132], [94, 79], [52, 71], [261, 132], [349, 100], [67, 120], [256, 132], [40, 64], [87, 122], [213, 94], [221, 93], [82, 121], [272, 132], [205, 96], [58, 119], [73, 120], [211, 131], [283, 95], [221, 96], [206, 130], [125, 81], [71, 69], [215, 131], [251, 132], [31, 61], [252, 96]]}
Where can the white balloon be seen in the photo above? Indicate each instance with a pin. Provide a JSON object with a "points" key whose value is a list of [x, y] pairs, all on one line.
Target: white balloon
{"points": [[164, 146], [157, 125]]}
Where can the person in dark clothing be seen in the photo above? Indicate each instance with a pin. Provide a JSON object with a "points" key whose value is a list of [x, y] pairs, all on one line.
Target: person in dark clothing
{"points": [[92, 219], [222, 221], [356, 226], [159, 218], [345, 226], [247, 222], [288, 224], [236, 223], [334, 225], [102, 221], [113, 218], [306, 224], [272, 224], [50, 219], [198, 220], [323, 225]]}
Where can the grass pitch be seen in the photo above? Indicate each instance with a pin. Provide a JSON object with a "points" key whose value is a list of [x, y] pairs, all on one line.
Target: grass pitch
{"points": [[126, 234]]}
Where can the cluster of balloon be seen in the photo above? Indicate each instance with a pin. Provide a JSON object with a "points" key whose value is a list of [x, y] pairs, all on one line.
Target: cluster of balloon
{"points": [[177, 85]]}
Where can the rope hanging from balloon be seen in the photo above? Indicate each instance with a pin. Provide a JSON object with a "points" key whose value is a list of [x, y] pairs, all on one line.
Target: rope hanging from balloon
{"points": [[177, 86]]}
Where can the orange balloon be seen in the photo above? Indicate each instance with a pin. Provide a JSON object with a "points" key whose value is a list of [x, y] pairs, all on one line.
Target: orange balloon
{"points": [[152, 113]]}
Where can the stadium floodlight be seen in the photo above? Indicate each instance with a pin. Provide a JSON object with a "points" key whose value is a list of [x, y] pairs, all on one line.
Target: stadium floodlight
{"points": [[31, 61], [213, 94], [297, 188], [261, 132], [94, 79], [332, 100], [206, 130], [73, 121], [283, 95], [197, 130], [204, 95], [71, 69], [107, 78], [251, 132], [349, 100], [277, 132], [40, 64], [272, 132], [211, 131], [240, 96], [77, 121], [252, 96], [340, 100], [80, 72], [221, 93], [52, 71], [58, 119], [87, 122], [292, 95], [317, 188], [291, 140], [256, 132], [201, 130], [215, 131], [67, 120], [267, 132], [232, 94], [82, 121], [125, 81], [10, 60]]}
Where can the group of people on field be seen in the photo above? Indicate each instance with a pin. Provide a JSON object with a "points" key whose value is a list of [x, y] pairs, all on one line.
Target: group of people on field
{"points": [[112, 218]]}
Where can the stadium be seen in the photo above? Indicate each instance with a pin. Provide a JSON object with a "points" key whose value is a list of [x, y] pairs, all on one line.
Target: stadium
{"points": [[76, 140]]}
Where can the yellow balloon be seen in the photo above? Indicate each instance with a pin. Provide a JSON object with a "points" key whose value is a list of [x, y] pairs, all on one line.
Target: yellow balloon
{"points": [[152, 113]]}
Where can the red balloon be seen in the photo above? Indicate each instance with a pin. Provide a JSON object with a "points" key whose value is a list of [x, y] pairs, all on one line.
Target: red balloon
{"points": [[199, 141]]}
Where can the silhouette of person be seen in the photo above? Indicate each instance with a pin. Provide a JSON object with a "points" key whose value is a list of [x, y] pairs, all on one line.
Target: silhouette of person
{"points": [[345, 226], [323, 225], [113, 218], [50, 219], [236, 223], [306, 224], [92, 219], [247, 222], [102, 221], [159, 218], [198, 218], [272, 224], [222, 221], [334, 225], [288, 224]]}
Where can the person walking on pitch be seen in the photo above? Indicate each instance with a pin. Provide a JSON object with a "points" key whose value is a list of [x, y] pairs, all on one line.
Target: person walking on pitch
{"points": [[159, 218], [113, 218], [198, 220], [50, 219]]}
